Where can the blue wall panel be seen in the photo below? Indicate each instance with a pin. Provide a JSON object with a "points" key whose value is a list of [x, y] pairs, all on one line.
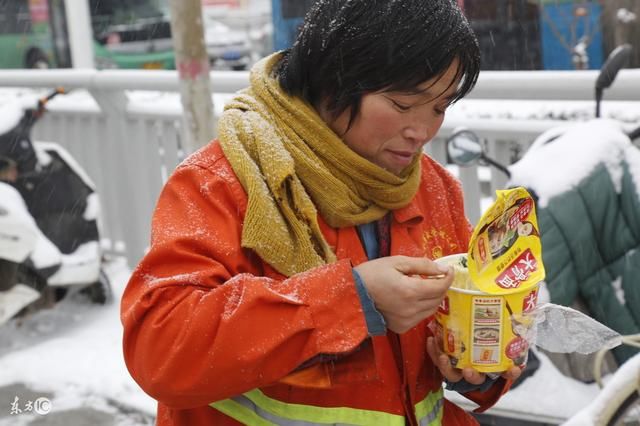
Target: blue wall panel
{"points": [[554, 55]]}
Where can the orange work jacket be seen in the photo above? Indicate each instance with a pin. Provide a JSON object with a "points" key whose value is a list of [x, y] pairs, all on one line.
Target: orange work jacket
{"points": [[210, 328]]}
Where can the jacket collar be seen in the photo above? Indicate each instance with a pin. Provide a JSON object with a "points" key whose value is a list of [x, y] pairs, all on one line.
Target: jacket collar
{"points": [[409, 214]]}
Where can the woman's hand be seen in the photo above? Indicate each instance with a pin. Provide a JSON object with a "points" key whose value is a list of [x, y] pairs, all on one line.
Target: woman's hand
{"points": [[399, 291], [441, 360]]}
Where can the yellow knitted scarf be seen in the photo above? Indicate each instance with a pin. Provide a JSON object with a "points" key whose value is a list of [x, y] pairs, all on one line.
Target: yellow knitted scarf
{"points": [[290, 163]]}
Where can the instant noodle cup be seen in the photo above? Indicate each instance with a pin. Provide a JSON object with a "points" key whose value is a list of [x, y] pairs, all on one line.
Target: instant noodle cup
{"points": [[484, 321]]}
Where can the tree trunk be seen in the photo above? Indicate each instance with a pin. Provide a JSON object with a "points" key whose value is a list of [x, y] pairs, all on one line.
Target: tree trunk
{"points": [[192, 63]]}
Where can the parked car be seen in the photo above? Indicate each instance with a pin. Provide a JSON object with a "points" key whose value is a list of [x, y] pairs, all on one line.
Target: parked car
{"points": [[144, 43], [226, 47]]}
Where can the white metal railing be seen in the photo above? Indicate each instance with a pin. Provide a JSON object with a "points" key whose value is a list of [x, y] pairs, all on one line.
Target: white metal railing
{"points": [[129, 146], [554, 85], [161, 80]]}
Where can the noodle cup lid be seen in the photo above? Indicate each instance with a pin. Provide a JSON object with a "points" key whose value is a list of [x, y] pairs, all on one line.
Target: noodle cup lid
{"points": [[505, 252]]}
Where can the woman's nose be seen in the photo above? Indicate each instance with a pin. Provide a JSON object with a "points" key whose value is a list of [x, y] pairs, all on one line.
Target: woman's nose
{"points": [[417, 131]]}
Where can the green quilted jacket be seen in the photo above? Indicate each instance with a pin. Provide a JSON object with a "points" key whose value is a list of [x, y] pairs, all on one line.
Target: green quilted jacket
{"points": [[590, 242]]}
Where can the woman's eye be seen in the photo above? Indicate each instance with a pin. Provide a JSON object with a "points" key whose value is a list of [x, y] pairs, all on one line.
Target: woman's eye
{"points": [[400, 106], [440, 110]]}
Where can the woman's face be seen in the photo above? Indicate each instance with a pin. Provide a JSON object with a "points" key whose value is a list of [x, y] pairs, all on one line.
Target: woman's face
{"points": [[392, 127]]}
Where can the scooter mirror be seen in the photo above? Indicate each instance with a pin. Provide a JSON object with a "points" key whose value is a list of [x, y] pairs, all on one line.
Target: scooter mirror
{"points": [[617, 59], [464, 148]]}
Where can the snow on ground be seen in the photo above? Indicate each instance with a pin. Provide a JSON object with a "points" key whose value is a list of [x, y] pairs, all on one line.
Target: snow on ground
{"points": [[73, 351], [547, 396]]}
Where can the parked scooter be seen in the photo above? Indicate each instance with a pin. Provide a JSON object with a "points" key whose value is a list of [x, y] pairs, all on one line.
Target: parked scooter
{"points": [[576, 172], [49, 212]]}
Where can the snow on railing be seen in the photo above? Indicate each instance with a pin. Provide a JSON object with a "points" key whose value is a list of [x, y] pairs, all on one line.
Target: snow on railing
{"points": [[125, 128]]}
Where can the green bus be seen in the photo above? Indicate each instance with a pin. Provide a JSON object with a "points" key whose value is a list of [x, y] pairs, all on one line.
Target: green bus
{"points": [[25, 41], [130, 34]]}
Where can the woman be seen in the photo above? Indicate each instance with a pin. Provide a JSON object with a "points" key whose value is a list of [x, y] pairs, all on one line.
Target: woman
{"points": [[290, 277]]}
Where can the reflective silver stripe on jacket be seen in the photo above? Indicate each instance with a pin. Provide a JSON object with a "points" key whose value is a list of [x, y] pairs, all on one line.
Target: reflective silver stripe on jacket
{"points": [[255, 407], [433, 417]]}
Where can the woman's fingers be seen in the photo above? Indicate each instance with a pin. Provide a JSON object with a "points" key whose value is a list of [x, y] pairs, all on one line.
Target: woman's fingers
{"points": [[419, 266], [441, 360], [473, 376], [432, 288], [404, 299], [512, 374]]}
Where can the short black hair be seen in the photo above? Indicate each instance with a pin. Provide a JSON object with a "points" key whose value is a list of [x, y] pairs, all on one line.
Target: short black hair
{"points": [[347, 48]]}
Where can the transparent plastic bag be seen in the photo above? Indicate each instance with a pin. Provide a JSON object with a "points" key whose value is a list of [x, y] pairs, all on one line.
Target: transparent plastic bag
{"points": [[562, 329]]}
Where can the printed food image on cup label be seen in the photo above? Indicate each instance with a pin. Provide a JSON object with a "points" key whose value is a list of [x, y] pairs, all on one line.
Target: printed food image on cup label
{"points": [[486, 335], [487, 310], [487, 314], [486, 355]]}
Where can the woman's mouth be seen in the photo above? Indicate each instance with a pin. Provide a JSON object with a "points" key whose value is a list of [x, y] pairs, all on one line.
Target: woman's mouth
{"points": [[402, 157]]}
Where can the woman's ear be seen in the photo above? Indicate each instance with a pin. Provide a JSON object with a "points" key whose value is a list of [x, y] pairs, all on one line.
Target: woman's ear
{"points": [[339, 124]]}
